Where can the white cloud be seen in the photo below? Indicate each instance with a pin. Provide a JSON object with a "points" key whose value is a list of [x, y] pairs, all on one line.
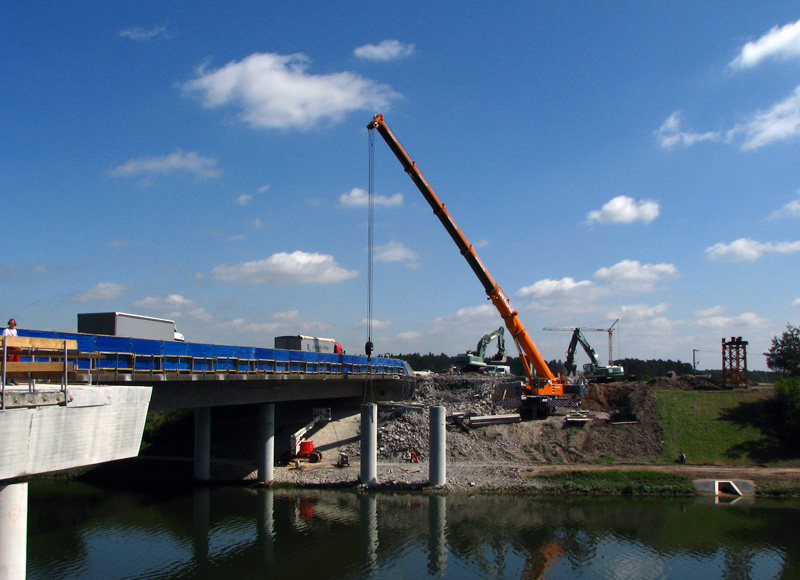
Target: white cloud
{"points": [[145, 34], [790, 210], [376, 324], [200, 314], [747, 250], [477, 312], [286, 268], [624, 209], [358, 197], [796, 303], [385, 51], [396, 252], [468, 321], [243, 199], [102, 292], [670, 134], [275, 91], [411, 336], [549, 287], [746, 320], [642, 276], [637, 312], [240, 325], [192, 162], [713, 311], [163, 302], [780, 42], [287, 316], [781, 122]]}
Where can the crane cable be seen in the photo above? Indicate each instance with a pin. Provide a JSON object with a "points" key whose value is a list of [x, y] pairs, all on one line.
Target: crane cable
{"points": [[369, 394], [370, 242]]}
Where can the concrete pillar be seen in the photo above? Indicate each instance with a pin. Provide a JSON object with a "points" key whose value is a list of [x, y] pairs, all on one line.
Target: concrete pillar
{"points": [[437, 542], [13, 531], [266, 442], [437, 467], [202, 443], [369, 444]]}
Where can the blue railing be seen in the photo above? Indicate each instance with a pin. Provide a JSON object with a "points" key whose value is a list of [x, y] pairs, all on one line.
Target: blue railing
{"points": [[100, 354]]}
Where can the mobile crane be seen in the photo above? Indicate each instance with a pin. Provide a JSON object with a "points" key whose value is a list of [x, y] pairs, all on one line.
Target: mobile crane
{"points": [[542, 387]]}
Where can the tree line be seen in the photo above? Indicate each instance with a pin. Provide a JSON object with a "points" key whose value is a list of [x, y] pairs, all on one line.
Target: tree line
{"points": [[635, 369]]}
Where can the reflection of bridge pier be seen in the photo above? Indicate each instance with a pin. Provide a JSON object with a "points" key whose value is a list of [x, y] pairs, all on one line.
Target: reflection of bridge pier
{"points": [[368, 512], [437, 540], [201, 513]]}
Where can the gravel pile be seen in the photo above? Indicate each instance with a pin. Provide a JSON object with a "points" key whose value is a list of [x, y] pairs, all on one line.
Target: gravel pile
{"points": [[404, 428]]}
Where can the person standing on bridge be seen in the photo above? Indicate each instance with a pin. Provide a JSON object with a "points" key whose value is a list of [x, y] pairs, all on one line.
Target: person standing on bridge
{"points": [[12, 353], [11, 330]]}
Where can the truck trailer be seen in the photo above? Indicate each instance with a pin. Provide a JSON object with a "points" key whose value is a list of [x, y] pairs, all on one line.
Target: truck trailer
{"points": [[131, 325], [308, 344]]}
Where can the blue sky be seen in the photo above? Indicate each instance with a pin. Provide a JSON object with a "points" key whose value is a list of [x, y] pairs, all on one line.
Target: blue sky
{"points": [[208, 162]]}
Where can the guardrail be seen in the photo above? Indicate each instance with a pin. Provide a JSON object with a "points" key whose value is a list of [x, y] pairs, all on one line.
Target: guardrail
{"points": [[36, 358]]}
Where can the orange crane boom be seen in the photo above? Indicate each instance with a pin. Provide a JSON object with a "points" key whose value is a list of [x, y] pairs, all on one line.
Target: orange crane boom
{"points": [[541, 380]]}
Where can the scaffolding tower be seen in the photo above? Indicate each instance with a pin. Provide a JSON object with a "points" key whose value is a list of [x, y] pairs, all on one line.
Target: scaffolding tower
{"points": [[734, 362]]}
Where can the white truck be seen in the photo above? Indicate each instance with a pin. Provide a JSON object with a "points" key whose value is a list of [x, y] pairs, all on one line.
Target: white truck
{"points": [[308, 344], [132, 325]]}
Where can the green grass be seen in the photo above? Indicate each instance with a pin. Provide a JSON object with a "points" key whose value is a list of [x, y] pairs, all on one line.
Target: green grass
{"points": [[634, 482], [709, 428]]}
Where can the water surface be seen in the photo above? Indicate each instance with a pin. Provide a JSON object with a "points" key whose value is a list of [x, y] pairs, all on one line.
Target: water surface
{"points": [[80, 531]]}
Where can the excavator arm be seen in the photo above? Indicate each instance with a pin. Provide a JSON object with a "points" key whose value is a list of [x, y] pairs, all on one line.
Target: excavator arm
{"points": [[577, 337], [541, 380]]}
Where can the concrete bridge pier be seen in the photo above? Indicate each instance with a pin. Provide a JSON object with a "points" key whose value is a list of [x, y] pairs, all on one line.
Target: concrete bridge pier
{"points": [[13, 530], [202, 443], [437, 466], [369, 444], [266, 442]]}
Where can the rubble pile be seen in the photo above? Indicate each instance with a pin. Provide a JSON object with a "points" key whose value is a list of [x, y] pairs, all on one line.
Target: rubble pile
{"points": [[405, 428]]}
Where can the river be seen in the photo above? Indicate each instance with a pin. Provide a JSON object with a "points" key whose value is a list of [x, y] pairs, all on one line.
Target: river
{"points": [[235, 533]]}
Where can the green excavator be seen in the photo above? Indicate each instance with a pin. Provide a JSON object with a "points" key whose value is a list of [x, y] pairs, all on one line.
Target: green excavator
{"points": [[476, 360]]}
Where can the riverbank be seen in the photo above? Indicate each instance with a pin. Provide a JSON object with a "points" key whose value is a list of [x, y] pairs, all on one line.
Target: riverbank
{"points": [[511, 477]]}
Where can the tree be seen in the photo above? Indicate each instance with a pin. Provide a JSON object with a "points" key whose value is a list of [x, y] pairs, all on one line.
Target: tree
{"points": [[787, 392], [784, 354]]}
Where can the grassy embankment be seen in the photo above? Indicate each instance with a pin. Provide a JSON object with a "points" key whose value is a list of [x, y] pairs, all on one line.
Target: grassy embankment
{"points": [[731, 428], [721, 428]]}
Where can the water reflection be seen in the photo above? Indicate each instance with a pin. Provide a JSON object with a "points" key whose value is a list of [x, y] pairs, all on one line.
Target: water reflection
{"points": [[86, 532]]}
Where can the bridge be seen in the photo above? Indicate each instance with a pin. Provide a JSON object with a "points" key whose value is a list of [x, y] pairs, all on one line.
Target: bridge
{"points": [[79, 399]]}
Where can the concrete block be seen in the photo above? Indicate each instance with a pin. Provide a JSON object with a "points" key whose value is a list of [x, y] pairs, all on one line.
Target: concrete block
{"points": [[52, 438]]}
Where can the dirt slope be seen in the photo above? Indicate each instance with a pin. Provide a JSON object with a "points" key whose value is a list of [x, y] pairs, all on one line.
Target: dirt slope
{"points": [[633, 436]]}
